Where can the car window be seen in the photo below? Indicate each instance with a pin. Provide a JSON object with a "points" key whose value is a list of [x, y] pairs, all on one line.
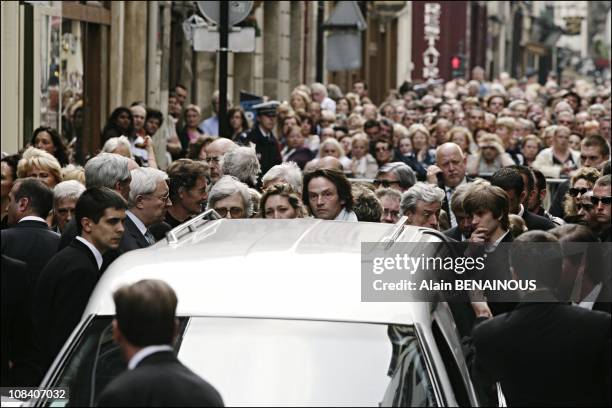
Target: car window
{"points": [[452, 369], [93, 363]]}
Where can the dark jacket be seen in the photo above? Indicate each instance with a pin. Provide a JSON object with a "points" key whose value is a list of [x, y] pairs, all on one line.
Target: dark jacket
{"points": [[547, 354], [267, 149], [31, 242], [537, 222], [160, 380], [454, 233], [301, 156], [132, 237], [62, 294], [18, 344], [556, 206]]}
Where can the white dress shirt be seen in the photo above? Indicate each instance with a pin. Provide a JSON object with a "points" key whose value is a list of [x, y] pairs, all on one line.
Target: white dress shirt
{"points": [[32, 218], [97, 254], [146, 352]]}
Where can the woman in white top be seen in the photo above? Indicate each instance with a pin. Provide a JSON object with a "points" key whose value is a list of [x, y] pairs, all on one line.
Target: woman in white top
{"points": [[558, 160]]}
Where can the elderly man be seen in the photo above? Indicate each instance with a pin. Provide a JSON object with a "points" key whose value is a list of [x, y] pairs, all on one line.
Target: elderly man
{"points": [[390, 200], [242, 163], [397, 175], [65, 196], [328, 196], [188, 190], [448, 173], [215, 152], [319, 94], [287, 173], [230, 198], [148, 201], [422, 204]]}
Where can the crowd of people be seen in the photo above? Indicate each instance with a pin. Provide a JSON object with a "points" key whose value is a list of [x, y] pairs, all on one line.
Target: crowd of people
{"points": [[473, 159]]}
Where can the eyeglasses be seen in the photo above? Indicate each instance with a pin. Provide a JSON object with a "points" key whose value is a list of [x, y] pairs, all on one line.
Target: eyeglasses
{"points": [[604, 200], [575, 191], [385, 183], [235, 212], [584, 206], [164, 199]]}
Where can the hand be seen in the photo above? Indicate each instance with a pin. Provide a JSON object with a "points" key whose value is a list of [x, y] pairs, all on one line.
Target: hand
{"points": [[148, 143], [479, 235], [481, 309], [432, 174]]}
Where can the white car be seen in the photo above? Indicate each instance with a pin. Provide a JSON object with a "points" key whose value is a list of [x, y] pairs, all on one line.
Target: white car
{"points": [[271, 315]]}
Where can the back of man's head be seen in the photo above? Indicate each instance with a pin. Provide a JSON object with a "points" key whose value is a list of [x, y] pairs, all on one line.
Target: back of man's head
{"points": [[39, 195], [508, 179], [106, 170], [543, 247], [145, 312], [93, 203]]}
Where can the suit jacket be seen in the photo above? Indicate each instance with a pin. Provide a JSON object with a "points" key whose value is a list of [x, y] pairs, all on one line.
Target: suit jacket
{"points": [[454, 233], [301, 156], [31, 242], [132, 237], [267, 149], [556, 207], [62, 294], [547, 354], [18, 344], [70, 233], [537, 222], [160, 380]]}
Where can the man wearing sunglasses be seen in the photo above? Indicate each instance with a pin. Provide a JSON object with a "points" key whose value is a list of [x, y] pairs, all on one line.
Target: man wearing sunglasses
{"points": [[397, 175], [601, 199]]}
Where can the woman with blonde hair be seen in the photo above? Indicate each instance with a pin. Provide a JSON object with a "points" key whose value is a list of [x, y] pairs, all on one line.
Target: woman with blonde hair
{"points": [[72, 172], [419, 135], [332, 147], [363, 164], [40, 164], [280, 202], [299, 100], [581, 183], [463, 137]]}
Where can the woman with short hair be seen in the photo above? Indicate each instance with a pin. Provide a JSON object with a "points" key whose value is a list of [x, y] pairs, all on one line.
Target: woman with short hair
{"points": [[40, 164], [280, 202]]}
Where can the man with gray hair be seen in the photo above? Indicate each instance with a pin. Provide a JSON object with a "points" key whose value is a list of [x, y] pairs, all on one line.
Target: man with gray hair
{"points": [[319, 94], [215, 152], [105, 170], [65, 196], [147, 204], [230, 198], [242, 163], [422, 204], [287, 173], [396, 175]]}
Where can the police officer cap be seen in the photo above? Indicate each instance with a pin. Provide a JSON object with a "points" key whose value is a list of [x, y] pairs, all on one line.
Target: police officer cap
{"points": [[267, 108]]}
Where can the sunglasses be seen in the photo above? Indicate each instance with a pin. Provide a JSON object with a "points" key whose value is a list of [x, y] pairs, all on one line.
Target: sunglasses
{"points": [[584, 206], [604, 200], [575, 191], [384, 183]]}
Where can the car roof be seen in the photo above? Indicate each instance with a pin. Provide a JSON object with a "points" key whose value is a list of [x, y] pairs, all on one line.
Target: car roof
{"points": [[287, 269]]}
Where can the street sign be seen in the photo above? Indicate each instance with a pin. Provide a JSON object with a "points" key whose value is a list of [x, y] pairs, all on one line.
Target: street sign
{"points": [[238, 10], [207, 39]]}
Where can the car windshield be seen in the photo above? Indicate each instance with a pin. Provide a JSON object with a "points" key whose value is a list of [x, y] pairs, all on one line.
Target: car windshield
{"points": [[273, 362]]}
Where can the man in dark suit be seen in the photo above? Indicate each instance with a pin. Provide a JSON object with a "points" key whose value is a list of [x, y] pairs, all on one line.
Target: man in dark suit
{"points": [[448, 173], [19, 352], [266, 144], [149, 200], [545, 353], [145, 327], [30, 240], [518, 182], [67, 281]]}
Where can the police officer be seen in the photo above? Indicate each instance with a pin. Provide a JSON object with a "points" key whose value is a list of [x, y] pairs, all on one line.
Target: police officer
{"points": [[266, 144]]}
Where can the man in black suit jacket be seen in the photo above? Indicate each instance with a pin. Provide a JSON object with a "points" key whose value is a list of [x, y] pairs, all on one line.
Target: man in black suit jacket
{"points": [[19, 353], [30, 240], [70, 276], [149, 200], [145, 333], [518, 182], [545, 353], [266, 144]]}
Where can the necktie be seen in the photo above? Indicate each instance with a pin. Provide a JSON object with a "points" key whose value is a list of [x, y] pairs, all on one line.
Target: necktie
{"points": [[149, 237], [451, 216]]}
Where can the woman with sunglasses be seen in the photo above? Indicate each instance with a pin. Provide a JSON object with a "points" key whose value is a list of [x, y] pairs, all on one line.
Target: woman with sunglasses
{"points": [[581, 183]]}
